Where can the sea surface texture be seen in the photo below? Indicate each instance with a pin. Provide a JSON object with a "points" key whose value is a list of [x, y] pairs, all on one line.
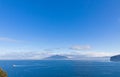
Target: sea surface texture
{"points": [[60, 68]]}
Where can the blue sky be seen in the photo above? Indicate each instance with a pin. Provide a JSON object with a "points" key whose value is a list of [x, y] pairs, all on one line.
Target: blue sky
{"points": [[59, 26]]}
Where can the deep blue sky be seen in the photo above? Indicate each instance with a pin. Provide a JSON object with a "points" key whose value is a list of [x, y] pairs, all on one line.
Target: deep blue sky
{"points": [[60, 23]]}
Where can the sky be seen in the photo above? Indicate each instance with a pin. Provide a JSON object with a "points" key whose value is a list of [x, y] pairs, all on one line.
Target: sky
{"points": [[34, 29]]}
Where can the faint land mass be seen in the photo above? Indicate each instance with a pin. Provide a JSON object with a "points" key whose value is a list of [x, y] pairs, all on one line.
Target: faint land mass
{"points": [[56, 57]]}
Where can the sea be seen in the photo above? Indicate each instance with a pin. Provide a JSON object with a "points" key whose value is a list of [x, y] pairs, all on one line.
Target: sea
{"points": [[60, 68]]}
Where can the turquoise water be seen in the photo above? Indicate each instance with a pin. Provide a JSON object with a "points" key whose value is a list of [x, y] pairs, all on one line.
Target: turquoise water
{"points": [[61, 68]]}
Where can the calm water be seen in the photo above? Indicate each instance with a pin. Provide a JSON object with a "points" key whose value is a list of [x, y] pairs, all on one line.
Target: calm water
{"points": [[61, 69]]}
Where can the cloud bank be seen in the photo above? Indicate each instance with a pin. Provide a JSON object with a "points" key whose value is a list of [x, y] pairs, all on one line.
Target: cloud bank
{"points": [[24, 55], [74, 52]]}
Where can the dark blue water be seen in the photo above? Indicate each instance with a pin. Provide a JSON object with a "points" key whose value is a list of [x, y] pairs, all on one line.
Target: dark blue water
{"points": [[61, 68]]}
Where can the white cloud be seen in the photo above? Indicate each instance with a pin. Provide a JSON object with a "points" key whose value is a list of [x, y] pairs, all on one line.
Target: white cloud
{"points": [[78, 47], [5, 39]]}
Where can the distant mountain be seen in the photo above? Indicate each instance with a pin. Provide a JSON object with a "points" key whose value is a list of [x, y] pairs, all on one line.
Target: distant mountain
{"points": [[115, 58], [57, 57]]}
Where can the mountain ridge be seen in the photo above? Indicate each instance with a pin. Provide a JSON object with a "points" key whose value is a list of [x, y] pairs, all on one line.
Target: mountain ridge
{"points": [[56, 57]]}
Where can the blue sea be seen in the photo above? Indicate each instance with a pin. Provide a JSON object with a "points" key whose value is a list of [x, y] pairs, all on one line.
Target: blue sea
{"points": [[60, 68]]}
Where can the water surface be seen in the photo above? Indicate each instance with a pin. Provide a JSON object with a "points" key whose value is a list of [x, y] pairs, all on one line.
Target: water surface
{"points": [[60, 68]]}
